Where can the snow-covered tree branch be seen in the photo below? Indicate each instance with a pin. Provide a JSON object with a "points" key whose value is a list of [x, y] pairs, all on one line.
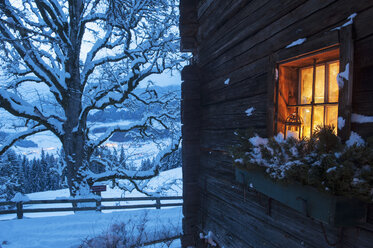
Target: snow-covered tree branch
{"points": [[90, 55], [21, 135]]}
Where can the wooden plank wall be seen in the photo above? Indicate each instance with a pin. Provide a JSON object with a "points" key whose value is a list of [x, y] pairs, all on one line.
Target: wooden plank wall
{"points": [[190, 113], [235, 41]]}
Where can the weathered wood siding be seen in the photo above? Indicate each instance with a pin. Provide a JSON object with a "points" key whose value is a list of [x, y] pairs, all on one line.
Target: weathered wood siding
{"points": [[190, 117], [237, 39]]}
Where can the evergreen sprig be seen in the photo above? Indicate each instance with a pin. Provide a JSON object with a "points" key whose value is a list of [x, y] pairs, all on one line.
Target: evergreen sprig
{"points": [[321, 161]]}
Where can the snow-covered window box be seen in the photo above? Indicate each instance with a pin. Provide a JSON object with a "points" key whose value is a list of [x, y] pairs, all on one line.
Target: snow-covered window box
{"points": [[321, 177]]}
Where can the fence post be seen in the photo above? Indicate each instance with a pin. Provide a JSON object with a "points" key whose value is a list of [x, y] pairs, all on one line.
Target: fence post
{"points": [[158, 203], [98, 205], [19, 210]]}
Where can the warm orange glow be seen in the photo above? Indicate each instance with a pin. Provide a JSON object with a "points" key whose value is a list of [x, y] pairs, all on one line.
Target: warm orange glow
{"points": [[111, 145], [318, 116], [333, 85], [332, 117], [323, 90], [305, 113], [320, 84], [306, 85]]}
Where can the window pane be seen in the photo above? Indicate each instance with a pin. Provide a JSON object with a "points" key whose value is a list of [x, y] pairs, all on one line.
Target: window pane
{"points": [[305, 113], [332, 116], [306, 85], [320, 84], [318, 116], [333, 85]]}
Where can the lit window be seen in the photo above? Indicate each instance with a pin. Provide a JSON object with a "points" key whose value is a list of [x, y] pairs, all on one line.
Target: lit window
{"points": [[318, 102], [307, 91]]}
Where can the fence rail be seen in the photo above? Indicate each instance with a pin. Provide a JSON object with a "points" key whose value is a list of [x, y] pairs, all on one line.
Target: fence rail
{"points": [[18, 207]]}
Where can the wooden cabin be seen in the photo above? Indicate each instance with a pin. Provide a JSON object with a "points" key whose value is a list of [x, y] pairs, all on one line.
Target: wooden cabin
{"points": [[276, 57]]}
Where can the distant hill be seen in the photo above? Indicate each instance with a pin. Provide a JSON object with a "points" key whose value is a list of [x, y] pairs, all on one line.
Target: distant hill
{"points": [[109, 115], [20, 143], [135, 113]]}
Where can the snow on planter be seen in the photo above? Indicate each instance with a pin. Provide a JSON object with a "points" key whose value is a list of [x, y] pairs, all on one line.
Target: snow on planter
{"points": [[355, 139], [324, 162]]}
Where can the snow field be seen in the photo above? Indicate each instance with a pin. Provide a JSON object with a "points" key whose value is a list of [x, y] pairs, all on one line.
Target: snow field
{"points": [[168, 183], [71, 230], [66, 229]]}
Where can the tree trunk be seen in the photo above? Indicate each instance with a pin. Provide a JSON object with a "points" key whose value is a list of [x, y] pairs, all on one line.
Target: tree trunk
{"points": [[74, 135], [76, 161]]}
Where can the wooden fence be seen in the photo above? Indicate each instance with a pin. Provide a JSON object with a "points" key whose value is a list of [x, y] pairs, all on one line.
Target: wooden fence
{"points": [[154, 202]]}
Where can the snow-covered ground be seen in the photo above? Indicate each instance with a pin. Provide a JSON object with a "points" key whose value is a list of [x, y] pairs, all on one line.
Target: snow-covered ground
{"points": [[72, 230], [66, 229], [167, 183]]}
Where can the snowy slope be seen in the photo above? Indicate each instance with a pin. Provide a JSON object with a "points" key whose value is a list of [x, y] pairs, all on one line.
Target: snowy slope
{"points": [[173, 178]]}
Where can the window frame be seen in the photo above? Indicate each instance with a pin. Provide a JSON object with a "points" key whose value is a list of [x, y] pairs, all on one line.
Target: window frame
{"points": [[343, 40]]}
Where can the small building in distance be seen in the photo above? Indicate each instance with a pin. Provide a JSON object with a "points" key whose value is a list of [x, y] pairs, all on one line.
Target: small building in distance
{"points": [[255, 63]]}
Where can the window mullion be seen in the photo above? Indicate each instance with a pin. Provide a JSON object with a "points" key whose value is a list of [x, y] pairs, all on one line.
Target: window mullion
{"points": [[327, 83], [313, 95], [326, 90]]}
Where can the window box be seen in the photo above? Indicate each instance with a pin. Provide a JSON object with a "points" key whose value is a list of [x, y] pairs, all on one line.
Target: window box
{"points": [[329, 209]]}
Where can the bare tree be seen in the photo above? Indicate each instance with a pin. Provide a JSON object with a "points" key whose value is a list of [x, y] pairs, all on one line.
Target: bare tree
{"points": [[91, 54]]}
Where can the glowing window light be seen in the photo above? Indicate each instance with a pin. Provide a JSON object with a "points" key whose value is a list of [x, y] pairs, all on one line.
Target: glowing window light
{"points": [[319, 92]]}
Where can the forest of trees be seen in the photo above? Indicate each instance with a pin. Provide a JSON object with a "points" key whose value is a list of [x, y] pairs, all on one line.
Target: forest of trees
{"points": [[20, 174]]}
